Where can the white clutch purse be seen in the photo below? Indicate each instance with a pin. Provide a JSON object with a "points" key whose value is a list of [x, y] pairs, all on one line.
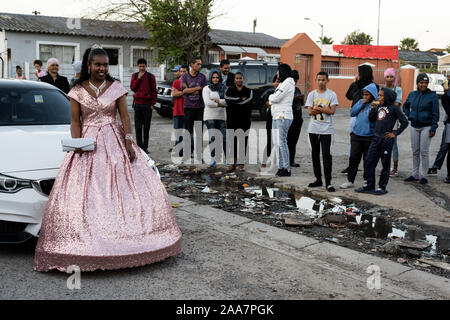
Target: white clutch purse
{"points": [[85, 144]]}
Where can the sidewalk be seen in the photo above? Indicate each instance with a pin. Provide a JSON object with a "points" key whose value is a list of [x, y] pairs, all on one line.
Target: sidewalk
{"points": [[250, 260]]}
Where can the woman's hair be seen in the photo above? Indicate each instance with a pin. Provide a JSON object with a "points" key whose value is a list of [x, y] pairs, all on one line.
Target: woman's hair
{"points": [[365, 76], [295, 75], [39, 62], [88, 56], [18, 67], [213, 73], [284, 71], [275, 78]]}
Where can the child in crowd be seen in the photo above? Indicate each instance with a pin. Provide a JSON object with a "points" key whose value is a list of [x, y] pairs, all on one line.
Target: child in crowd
{"points": [[321, 105], [385, 114]]}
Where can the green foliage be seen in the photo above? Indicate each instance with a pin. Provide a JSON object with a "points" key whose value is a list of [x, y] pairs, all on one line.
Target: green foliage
{"points": [[358, 38], [326, 40], [409, 44], [429, 70], [179, 29]]}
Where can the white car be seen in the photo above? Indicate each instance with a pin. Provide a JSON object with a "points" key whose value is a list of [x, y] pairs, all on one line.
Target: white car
{"points": [[34, 118], [436, 83]]}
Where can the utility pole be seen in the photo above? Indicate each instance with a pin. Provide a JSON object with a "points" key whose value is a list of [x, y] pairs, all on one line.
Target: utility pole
{"points": [[36, 12], [254, 24], [379, 12]]}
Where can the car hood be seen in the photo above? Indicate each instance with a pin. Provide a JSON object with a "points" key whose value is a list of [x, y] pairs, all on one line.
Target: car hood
{"points": [[30, 148]]}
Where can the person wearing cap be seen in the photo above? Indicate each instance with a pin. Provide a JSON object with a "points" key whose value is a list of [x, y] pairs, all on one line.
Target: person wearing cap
{"points": [[422, 110], [77, 68], [178, 101], [54, 78]]}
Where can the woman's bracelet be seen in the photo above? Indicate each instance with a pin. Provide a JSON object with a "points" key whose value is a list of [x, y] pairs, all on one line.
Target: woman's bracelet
{"points": [[129, 137]]}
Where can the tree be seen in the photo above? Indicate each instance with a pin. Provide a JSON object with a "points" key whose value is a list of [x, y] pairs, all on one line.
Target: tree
{"points": [[179, 29], [357, 37], [326, 40], [409, 44]]}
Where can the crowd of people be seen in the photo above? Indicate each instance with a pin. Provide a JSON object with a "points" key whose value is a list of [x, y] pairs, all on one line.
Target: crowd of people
{"points": [[223, 103], [377, 114]]}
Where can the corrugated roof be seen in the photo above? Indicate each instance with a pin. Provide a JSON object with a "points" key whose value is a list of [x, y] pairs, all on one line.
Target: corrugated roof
{"points": [[417, 56], [250, 39], [116, 29], [61, 25]]}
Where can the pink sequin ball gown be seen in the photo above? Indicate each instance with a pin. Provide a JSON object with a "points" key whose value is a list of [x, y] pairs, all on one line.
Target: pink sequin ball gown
{"points": [[105, 212]]}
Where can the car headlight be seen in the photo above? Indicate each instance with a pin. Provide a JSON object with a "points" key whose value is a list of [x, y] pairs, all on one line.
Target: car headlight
{"points": [[13, 185]]}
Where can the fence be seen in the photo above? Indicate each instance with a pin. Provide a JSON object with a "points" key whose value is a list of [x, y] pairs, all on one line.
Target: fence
{"points": [[352, 72]]}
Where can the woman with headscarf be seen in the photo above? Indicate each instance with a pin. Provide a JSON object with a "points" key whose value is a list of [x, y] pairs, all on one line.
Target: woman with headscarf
{"points": [[239, 112], [390, 78], [53, 76], [355, 93], [215, 115]]}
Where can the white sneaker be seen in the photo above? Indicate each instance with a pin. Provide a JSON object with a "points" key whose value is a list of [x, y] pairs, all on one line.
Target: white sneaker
{"points": [[365, 184], [347, 185]]}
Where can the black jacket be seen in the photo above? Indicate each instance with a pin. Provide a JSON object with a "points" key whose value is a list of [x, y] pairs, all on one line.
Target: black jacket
{"points": [[61, 82], [230, 80], [387, 115], [239, 110]]}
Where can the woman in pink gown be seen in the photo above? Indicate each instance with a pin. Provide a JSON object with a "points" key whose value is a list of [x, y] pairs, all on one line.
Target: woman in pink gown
{"points": [[108, 209]]}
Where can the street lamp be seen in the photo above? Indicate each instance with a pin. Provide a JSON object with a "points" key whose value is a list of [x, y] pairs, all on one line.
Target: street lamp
{"points": [[321, 26]]}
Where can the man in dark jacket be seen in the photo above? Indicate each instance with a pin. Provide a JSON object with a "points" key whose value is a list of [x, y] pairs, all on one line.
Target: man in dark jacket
{"points": [[385, 114], [143, 84], [296, 126], [227, 76], [422, 110], [54, 78]]}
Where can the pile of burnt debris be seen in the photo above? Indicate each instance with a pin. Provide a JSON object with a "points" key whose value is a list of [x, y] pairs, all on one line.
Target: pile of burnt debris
{"points": [[360, 226]]}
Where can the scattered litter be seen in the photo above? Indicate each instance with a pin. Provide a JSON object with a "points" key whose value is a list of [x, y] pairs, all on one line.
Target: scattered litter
{"points": [[396, 233], [391, 248], [333, 240], [336, 200], [210, 191], [245, 185], [249, 203], [401, 260], [175, 205], [419, 245], [335, 219], [437, 264], [218, 173], [306, 205], [295, 222]]}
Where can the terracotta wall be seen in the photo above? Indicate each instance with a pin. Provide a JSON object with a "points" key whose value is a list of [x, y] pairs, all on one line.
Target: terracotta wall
{"points": [[302, 45], [408, 81], [340, 87]]}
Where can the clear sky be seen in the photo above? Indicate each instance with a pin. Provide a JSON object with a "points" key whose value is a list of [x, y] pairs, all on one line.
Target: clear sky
{"points": [[285, 18]]}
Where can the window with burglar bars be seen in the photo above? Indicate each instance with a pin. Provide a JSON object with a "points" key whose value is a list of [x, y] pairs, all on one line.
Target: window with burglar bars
{"points": [[213, 56], [331, 67], [64, 54], [149, 55]]}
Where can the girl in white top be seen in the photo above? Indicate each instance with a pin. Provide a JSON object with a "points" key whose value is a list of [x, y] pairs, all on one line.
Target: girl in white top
{"points": [[215, 112]]}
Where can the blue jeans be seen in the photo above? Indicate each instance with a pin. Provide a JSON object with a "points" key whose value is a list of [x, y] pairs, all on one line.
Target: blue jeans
{"points": [[178, 124], [395, 150], [282, 125], [220, 125], [442, 152]]}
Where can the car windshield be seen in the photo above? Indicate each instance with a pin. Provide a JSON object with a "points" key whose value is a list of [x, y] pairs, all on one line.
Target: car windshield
{"points": [[29, 107]]}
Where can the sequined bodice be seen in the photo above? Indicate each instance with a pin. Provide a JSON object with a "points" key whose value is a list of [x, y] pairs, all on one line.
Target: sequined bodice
{"points": [[101, 111]]}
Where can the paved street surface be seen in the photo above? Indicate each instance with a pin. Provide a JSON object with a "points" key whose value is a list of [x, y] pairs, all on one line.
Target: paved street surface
{"points": [[229, 257]]}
